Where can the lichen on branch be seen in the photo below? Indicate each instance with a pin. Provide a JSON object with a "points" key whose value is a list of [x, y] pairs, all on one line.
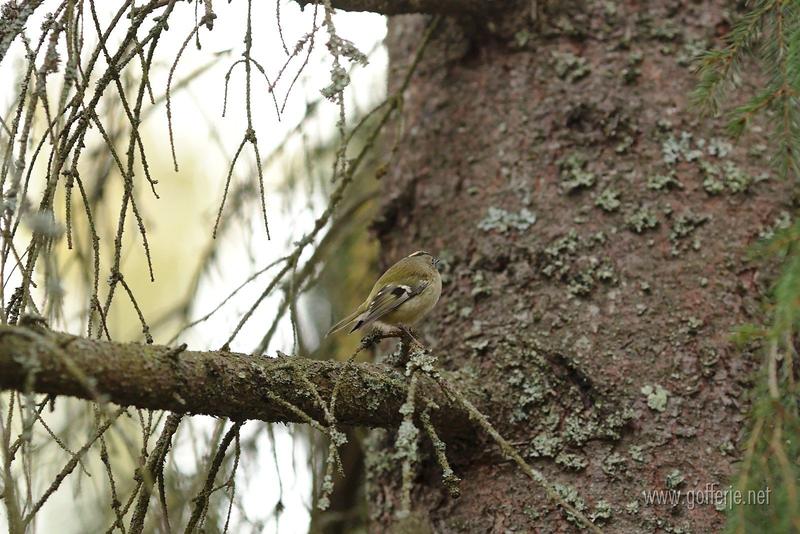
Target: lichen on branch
{"points": [[219, 383]]}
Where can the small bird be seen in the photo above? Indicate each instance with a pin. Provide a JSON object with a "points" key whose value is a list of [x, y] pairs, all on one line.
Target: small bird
{"points": [[402, 296]]}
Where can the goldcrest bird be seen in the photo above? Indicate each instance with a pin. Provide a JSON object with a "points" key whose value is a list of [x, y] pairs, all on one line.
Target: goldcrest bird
{"points": [[402, 296]]}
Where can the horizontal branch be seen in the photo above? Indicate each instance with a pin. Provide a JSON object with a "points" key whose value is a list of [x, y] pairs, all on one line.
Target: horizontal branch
{"points": [[433, 7], [224, 384]]}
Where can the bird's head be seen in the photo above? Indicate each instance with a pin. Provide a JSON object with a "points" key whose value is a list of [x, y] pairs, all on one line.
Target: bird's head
{"points": [[427, 255]]}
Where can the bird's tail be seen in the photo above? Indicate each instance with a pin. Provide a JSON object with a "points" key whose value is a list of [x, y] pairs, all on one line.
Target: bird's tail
{"points": [[344, 323]]}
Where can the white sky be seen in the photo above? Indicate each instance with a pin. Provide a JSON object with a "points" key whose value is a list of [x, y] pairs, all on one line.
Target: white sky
{"points": [[195, 111]]}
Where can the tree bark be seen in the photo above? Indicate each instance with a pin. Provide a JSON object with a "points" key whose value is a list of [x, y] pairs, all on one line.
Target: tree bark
{"points": [[594, 235], [223, 384]]}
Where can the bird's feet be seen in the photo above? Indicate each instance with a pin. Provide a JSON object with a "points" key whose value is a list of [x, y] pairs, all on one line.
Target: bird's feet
{"points": [[407, 334], [372, 339], [408, 344]]}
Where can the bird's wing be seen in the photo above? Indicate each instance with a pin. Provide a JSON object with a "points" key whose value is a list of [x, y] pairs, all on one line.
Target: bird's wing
{"points": [[388, 299]]}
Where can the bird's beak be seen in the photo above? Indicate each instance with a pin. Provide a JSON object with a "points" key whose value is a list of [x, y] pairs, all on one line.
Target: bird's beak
{"points": [[436, 262]]}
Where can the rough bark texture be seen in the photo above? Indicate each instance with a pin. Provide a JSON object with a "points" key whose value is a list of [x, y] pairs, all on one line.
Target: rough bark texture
{"points": [[223, 384], [594, 232]]}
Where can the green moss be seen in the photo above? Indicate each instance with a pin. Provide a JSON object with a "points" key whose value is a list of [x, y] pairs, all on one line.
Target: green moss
{"points": [[522, 37], [608, 200], [529, 392], [736, 180], [545, 445], [781, 222], [574, 462], [558, 253], [657, 397], [578, 430], [693, 325], [625, 143], [375, 391], [678, 149], [502, 221], [712, 183], [727, 447], [532, 513], [641, 220], [663, 125], [583, 215], [573, 173], [613, 464], [605, 273], [615, 420], [718, 177], [550, 403], [685, 224], [631, 72], [637, 453], [571, 495], [582, 274], [596, 239], [725, 176], [581, 284], [757, 151], [659, 182], [600, 423], [570, 67], [719, 148], [602, 512], [584, 282], [689, 52], [668, 31]]}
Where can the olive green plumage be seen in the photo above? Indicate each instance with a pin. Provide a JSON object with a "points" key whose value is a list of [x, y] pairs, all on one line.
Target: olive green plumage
{"points": [[402, 296]]}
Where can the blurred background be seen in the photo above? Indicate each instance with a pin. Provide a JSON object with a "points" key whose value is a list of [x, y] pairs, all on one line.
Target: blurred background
{"points": [[203, 286]]}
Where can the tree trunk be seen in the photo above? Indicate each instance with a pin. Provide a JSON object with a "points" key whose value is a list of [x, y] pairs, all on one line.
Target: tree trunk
{"points": [[594, 231]]}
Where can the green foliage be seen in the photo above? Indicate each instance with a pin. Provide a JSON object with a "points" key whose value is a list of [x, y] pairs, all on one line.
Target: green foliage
{"points": [[772, 449], [769, 33], [768, 478]]}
